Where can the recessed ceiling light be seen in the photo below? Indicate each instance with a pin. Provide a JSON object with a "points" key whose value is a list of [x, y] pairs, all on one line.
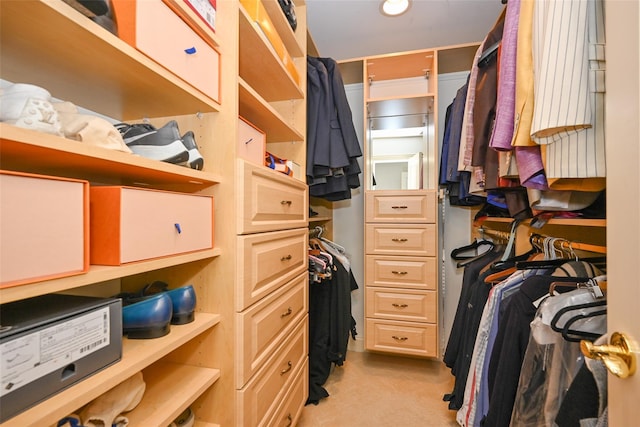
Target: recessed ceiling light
{"points": [[394, 7]]}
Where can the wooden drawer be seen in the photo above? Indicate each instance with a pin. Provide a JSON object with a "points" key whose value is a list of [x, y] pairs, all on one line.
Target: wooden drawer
{"points": [[155, 30], [44, 227], [290, 410], [417, 339], [401, 272], [264, 326], [259, 399], [392, 206], [268, 260], [133, 224], [402, 304], [401, 239], [270, 200]]}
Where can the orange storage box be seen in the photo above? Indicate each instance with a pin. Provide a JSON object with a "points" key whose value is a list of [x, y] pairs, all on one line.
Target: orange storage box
{"points": [[252, 142], [132, 224], [154, 29], [44, 227]]}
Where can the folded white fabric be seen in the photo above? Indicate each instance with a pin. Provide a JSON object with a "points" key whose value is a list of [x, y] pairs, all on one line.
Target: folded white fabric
{"points": [[28, 106], [107, 409], [92, 130]]}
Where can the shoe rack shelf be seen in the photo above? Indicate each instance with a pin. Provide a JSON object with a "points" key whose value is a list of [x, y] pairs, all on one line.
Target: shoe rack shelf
{"points": [[28, 151], [101, 273], [186, 383], [264, 116], [59, 47], [260, 66]]}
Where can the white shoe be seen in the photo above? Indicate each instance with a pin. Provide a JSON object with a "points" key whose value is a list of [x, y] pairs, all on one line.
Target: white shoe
{"points": [[28, 106]]}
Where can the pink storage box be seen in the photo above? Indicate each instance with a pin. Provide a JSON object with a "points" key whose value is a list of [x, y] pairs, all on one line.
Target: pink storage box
{"points": [[44, 227], [132, 224]]}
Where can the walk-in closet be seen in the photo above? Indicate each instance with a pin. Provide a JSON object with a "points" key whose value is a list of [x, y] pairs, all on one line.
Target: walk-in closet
{"points": [[319, 213]]}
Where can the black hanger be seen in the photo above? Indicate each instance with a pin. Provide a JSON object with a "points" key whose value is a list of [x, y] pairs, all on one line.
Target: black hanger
{"points": [[488, 54], [455, 254], [551, 263], [574, 335], [465, 260], [565, 330]]}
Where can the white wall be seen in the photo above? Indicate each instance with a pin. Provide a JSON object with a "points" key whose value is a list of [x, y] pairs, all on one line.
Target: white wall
{"points": [[455, 221], [348, 220]]}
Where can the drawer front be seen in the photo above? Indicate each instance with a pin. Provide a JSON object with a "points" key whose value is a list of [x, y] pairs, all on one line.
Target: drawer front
{"points": [[264, 326], [44, 225], [398, 239], [289, 412], [251, 142], [389, 206], [402, 337], [399, 304], [154, 29], [270, 200], [401, 272], [268, 260], [130, 224], [259, 399]]}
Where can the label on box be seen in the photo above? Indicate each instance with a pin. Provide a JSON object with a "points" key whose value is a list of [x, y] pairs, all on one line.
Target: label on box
{"points": [[32, 356], [206, 9]]}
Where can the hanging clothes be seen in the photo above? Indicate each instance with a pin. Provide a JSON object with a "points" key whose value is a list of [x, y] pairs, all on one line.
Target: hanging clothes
{"points": [[330, 318], [333, 148]]}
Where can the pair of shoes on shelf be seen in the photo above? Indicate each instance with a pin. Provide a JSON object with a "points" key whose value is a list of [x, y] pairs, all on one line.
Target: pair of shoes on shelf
{"points": [[150, 312], [29, 106], [164, 144], [186, 419]]}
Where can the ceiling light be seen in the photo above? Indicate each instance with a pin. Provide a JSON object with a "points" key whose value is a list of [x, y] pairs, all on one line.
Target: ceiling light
{"points": [[394, 7]]}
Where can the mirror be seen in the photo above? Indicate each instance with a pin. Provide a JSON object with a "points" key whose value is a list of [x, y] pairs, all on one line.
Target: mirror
{"points": [[400, 144]]}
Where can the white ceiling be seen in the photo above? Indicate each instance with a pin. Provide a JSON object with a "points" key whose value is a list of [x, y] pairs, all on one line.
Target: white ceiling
{"points": [[344, 29]]}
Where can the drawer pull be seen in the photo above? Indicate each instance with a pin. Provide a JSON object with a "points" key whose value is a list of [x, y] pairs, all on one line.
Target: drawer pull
{"points": [[286, 202], [178, 228], [399, 305], [287, 313], [190, 51], [289, 421], [287, 369], [395, 239], [399, 272], [399, 207], [285, 258], [397, 338]]}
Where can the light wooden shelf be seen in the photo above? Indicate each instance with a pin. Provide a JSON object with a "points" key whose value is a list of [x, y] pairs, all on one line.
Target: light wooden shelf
{"points": [[260, 65], [100, 273], [28, 151], [258, 111], [136, 355], [319, 219], [283, 28], [84, 63], [400, 65], [170, 388]]}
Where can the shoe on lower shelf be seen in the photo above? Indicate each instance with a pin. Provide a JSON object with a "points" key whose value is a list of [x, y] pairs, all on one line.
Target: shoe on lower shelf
{"points": [[147, 316], [196, 161], [183, 300], [162, 144], [186, 419]]}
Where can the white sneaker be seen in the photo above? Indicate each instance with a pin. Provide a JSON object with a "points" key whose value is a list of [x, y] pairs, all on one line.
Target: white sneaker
{"points": [[28, 106]]}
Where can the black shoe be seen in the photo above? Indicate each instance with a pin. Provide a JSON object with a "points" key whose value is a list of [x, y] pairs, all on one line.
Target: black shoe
{"points": [[162, 144], [195, 158]]}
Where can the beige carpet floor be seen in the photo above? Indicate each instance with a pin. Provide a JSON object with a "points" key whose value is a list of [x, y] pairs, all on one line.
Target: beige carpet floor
{"points": [[375, 390]]}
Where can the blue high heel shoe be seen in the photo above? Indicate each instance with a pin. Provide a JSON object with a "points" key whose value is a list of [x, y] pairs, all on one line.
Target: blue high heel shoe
{"points": [[183, 300], [146, 317]]}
